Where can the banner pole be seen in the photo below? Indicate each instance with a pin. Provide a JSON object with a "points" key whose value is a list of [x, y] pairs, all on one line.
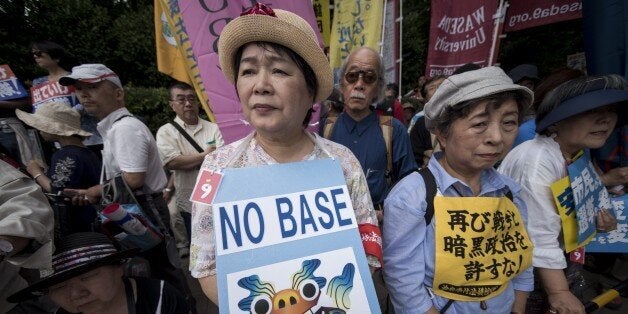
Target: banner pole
{"points": [[381, 36], [498, 18], [400, 49]]}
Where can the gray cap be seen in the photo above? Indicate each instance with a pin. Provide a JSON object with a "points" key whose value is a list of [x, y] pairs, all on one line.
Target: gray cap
{"points": [[462, 87], [523, 71]]}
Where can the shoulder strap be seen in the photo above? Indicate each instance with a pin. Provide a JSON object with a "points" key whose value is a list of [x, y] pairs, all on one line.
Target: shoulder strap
{"points": [[430, 193], [330, 122], [187, 136], [121, 117], [385, 122]]}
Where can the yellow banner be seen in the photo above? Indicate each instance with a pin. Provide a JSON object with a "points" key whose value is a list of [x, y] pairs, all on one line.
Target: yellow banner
{"points": [[481, 244], [169, 60], [321, 10], [172, 43], [356, 23]]}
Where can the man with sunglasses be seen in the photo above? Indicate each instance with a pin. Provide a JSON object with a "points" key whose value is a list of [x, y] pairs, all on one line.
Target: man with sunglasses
{"points": [[178, 152], [361, 130]]}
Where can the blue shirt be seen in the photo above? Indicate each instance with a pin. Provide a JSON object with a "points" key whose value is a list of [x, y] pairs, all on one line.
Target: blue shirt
{"points": [[527, 131], [409, 247], [366, 140]]}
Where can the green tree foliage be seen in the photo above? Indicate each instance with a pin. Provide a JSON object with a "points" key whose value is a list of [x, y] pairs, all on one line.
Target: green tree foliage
{"points": [[416, 27], [117, 33]]}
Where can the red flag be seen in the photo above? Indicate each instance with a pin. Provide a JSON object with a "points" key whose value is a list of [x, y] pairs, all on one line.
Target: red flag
{"points": [[459, 34]]}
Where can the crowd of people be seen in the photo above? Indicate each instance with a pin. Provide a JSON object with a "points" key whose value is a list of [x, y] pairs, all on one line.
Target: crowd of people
{"points": [[484, 147]]}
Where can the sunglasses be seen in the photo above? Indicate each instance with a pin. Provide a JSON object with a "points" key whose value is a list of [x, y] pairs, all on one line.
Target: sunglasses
{"points": [[38, 53], [368, 77]]}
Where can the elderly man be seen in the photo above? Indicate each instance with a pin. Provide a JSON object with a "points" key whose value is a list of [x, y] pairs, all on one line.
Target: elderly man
{"points": [[130, 151], [183, 144], [381, 144], [26, 224]]}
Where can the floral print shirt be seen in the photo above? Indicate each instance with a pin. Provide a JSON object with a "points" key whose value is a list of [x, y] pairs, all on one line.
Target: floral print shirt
{"points": [[202, 248]]}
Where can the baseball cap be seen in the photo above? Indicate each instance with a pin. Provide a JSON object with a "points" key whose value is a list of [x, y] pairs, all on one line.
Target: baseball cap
{"points": [[90, 73]]}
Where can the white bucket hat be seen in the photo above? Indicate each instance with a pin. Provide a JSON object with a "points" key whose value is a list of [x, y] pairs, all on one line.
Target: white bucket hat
{"points": [[55, 118]]}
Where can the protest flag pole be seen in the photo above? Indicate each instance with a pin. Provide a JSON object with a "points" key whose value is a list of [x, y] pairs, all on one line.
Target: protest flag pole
{"points": [[497, 32]]}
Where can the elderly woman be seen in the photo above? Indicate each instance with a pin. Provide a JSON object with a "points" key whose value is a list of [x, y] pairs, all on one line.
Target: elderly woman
{"points": [[279, 71], [579, 114], [460, 260], [87, 277]]}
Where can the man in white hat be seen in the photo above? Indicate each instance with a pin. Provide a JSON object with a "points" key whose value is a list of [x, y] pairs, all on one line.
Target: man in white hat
{"points": [[130, 151]]}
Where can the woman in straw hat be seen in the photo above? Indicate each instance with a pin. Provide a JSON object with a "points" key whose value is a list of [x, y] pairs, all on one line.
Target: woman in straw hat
{"points": [[279, 70], [88, 278], [72, 166], [576, 116], [446, 229]]}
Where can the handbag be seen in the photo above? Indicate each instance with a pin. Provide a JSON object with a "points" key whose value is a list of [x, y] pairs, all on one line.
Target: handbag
{"points": [[117, 191]]}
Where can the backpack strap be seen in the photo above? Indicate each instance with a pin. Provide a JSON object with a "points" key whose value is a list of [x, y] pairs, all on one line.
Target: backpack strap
{"points": [[430, 193], [330, 122], [385, 122]]}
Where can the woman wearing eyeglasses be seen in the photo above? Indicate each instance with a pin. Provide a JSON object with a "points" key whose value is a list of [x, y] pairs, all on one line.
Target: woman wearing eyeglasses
{"points": [[279, 70], [53, 58]]}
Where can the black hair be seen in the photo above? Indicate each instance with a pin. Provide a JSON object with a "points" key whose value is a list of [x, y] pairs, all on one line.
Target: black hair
{"points": [[428, 82], [55, 51], [179, 85], [466, 68], [394, 88]]}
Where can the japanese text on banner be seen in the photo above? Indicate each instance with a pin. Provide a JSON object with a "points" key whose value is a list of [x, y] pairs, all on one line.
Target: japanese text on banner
{"points": [[481, 244]]}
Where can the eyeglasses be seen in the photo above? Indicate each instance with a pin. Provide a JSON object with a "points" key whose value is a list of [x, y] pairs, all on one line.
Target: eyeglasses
{"points": [[368, 77], [38, 53], [191, 99]]}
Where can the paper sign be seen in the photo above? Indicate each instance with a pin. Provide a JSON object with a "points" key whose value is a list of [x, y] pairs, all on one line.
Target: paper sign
{"points": [[286, 234], [563, 199], [481, 244], [10, 86], [616, 240], [52, 91], [207, 184], [589, 195]]}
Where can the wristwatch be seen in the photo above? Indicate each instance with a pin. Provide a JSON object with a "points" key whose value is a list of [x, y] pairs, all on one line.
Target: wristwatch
{"points": [[5, 248]]}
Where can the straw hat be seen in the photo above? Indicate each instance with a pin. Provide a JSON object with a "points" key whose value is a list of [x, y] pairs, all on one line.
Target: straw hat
{"points": [[76, 254], [54, 118], [262, 23]]}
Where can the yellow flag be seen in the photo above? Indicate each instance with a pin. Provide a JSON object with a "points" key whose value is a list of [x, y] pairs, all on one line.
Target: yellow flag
{"points": [[321, 10], [170, 61], [357, 23]]}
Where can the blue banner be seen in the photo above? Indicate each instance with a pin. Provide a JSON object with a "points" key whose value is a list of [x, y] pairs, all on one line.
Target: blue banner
{"points": [[10, 86], [616, 240]]}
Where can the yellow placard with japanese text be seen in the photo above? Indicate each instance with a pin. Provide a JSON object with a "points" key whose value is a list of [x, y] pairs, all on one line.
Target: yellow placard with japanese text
{"points": [[481, 244], [357, 23], [561, 190]]}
